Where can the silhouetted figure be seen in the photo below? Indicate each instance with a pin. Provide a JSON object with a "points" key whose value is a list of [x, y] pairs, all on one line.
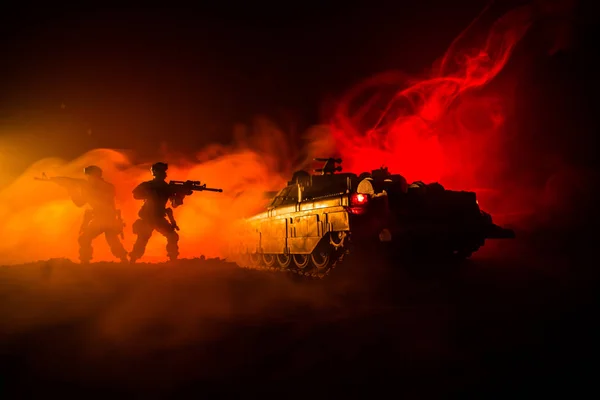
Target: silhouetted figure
{"points": [[102, 217], [156, 193]]}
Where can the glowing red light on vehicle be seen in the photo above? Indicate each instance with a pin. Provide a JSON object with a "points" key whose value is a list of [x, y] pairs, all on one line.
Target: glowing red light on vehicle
{"points": [[359, 199]]}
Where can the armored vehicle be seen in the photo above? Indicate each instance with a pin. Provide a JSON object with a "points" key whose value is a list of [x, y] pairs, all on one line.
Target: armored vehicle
{"points": [[310, 225]]}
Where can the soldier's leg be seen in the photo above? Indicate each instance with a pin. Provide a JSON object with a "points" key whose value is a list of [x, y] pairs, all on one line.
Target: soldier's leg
{"points": [[116, 247], [166, 229], [143, 229], [86, 236]]}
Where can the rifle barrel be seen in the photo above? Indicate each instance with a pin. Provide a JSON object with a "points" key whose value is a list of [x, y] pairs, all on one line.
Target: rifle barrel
{"points": [[204, 189], [212, 190]]}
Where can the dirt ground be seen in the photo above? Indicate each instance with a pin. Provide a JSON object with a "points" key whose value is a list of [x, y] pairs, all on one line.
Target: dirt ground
{"points": [[517, 318]]}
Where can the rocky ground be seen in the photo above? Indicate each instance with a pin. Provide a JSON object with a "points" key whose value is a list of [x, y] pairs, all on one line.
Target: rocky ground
{"points": [[518, 318]]}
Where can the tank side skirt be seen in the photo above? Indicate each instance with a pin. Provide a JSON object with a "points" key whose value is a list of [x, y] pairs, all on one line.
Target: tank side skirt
{"points": [[298, 230]]}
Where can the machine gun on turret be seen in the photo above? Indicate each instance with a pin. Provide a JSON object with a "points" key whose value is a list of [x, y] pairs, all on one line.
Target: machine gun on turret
{"points": [[330, 166]]}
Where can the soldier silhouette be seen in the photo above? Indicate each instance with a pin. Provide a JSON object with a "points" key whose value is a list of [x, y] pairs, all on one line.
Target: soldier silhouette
{"points": [[156, 193], [103, 217]]}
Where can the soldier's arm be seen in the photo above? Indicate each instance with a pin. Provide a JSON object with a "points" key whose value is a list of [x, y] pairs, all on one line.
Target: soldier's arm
{"points": [[111, 189], [177, 200], [178, 195], [77, 197], [141, 192], [113, 193]]}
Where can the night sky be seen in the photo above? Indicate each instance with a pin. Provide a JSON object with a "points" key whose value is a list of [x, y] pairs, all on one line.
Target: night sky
{"points": [[137, 77]]}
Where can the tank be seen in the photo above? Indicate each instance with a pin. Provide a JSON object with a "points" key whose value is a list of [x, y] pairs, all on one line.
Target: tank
{"points": [[318, 220]]}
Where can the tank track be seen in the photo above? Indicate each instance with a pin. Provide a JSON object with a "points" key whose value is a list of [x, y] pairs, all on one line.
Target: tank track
{"points": [[308, 273]]}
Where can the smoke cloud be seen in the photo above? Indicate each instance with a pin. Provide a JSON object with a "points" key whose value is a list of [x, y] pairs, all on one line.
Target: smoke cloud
{"points": [[451, 126]]}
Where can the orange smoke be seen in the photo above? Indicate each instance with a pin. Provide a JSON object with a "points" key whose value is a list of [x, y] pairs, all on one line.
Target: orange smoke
{"points": [[41, 222]]}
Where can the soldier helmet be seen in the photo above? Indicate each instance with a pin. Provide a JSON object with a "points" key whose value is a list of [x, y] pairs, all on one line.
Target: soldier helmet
{"points": [[93, 170], [159, 167]]}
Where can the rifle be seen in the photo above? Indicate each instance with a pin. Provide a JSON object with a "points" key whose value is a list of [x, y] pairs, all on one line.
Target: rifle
{"points": [[71, 184], [193, 186], [64, 181]]}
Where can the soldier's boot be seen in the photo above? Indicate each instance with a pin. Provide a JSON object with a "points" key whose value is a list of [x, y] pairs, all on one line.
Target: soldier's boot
{"points": [[143, 232], [135, 254], [173, 246], [116, 247], [138, 251], [173, 256], [85, 252]]}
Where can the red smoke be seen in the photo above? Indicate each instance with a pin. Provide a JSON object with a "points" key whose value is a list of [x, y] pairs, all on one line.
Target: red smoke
{"points": [[448, 127]]}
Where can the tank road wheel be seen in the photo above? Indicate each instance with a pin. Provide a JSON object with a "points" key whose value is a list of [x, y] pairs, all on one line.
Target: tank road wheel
{"points": [[284, 260], [255, 259], [336, 239], [321, 259], [301, 260], [269, 260], [242, 259]]}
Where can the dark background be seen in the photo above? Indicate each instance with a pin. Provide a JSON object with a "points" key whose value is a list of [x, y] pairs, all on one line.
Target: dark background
{"points": [[192, 73], [136, 76]]}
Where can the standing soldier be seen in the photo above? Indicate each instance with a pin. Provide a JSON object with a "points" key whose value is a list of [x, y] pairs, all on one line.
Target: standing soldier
{"points": [[102, 217], [156, 193]]}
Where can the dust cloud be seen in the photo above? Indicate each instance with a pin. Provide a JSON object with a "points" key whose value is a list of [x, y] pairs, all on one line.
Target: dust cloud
{"points": [[41, 222]]}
